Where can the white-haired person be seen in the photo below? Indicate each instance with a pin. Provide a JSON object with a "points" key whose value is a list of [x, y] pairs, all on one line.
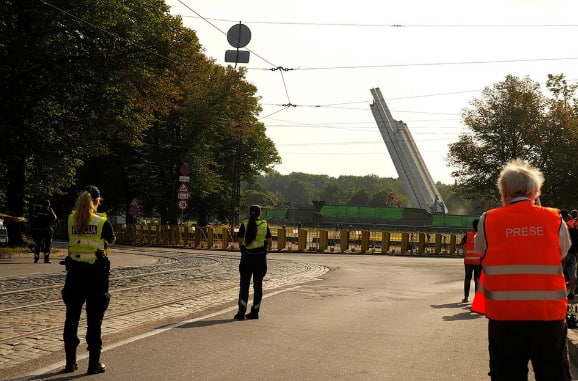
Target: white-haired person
{"points": [[524, 287]]}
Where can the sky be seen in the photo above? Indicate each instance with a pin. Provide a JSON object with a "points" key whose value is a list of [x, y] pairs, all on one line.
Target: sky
{"points": [[430, 59]]}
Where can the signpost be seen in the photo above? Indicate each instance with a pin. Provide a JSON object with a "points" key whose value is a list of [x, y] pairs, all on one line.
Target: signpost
{"points": [[238, 36], [183, 192]]}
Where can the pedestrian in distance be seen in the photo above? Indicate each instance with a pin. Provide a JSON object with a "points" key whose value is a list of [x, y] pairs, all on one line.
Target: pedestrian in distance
{"points": [[254, 239], [87, 276], [472, 264], [569, 263], [524, 288], [42, 229]]}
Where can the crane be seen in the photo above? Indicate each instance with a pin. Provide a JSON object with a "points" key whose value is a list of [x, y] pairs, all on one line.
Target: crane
{"points": [[392, 198]]}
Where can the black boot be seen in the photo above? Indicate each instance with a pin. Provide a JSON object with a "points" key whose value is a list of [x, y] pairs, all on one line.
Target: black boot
{"points": [[70, 367], [241, 312], [254, 314], [71, 364], [94, 364], [47, 258]]}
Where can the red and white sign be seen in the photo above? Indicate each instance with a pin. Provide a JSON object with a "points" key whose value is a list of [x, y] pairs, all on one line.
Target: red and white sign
{"points": [[183, 188], [182, 204], [133, 209]]}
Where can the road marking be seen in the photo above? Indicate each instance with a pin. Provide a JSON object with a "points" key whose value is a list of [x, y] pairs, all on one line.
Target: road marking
{"points": [[61, 364]]}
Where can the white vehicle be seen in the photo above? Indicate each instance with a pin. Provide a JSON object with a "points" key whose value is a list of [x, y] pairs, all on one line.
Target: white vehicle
{"points": [[3, 234]]}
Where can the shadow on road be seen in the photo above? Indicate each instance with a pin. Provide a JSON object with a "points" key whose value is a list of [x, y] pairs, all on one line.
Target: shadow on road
{"points": [[448, 305], [466, 315], [207, 323]]}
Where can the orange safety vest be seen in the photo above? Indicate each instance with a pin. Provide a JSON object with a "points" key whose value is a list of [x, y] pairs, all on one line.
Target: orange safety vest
{"points": [[523, 277], [470, 255]]}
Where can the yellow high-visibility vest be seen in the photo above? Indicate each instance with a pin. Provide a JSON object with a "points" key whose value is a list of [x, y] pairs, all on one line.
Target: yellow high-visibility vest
{"points": [[82, 247], [261, 236]]}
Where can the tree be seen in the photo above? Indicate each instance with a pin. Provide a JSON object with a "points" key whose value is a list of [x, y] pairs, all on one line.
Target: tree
{"points": [[513, 119], [360, 198], [72, 89], [506, 122], [332, 193], [121, 100], [225, 143], [560, 145]]}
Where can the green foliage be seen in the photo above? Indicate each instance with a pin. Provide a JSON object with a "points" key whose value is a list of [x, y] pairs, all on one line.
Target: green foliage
{"points": [[513, 119], [360, 198], [120, 94], [298, 190]]}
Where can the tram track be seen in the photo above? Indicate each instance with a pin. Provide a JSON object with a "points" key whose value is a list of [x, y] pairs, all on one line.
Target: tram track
{"points": [[35, 302], [180, 282]]}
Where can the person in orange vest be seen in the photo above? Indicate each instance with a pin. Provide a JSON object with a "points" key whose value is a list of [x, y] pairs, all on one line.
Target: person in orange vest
{"points": [[524, 288], [472, 263]]}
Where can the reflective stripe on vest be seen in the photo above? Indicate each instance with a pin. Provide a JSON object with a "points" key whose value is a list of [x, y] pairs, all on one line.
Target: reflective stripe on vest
{"points": [[524, 295], [261, 236], [470, 255], [89, 258], [523, 269], [83, 247], [523, 277]]}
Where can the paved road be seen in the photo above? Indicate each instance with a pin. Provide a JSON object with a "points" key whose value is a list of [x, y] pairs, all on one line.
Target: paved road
{"points": [[349, 317]]}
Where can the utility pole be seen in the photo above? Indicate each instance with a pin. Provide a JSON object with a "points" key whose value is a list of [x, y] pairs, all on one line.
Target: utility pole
{"points": [[236, 196], [238, 37]]}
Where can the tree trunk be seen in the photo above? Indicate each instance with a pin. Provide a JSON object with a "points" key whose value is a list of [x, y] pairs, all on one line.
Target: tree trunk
{"points": [[15, 199]]}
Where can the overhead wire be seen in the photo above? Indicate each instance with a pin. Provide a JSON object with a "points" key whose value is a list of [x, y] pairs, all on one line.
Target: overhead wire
{"points": [[281, 69], [253, 52], [427, 64], [289, 104], [300, 23]]}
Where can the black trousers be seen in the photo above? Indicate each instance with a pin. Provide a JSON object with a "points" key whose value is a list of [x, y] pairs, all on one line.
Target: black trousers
{"points": [[85, 283], [513, 344], [251, 266], [469, 270], [42, 241]]}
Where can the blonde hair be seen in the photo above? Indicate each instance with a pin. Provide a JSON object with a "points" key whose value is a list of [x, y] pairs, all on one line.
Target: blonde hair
{"points": [[519, 178], [84, 209]]}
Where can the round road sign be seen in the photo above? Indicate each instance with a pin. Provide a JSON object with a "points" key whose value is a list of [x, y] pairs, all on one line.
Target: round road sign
{"points": [[182, 204], [239, 35]]}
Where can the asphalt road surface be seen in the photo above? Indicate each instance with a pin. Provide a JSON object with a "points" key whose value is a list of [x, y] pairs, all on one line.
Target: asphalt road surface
{"points": [[370, 317]]}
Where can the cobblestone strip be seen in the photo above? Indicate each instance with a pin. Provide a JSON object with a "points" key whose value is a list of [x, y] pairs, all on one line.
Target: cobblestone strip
{"points": [[197, 288]]}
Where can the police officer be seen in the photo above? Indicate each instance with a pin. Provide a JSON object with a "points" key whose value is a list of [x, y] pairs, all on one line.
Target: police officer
{"points": [[42, 230], [254, 239], [87, 274], [524, 287]]}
